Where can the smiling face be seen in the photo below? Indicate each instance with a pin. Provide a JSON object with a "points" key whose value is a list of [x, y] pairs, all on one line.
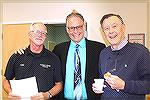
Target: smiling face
{"points": [[114, 30], [37, 34], [75, 28]]}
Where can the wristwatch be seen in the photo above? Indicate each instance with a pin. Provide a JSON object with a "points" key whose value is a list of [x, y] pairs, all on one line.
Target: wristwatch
{"points": [[49, 95]]}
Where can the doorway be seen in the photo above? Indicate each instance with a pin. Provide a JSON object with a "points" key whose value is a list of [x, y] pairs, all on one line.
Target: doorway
{"points": [[56, 33]]}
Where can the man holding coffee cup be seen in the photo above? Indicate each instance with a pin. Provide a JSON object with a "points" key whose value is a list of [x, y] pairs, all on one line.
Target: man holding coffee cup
{"points": [[124, 66]]}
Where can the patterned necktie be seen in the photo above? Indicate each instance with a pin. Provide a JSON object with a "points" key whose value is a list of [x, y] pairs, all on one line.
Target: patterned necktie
{"points": [[77, 75]]}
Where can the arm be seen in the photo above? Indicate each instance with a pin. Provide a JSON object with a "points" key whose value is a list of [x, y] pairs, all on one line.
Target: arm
{"points": [[9, 73], [141, 86], [6, 86], [20, 51], [7, 89], [54, 91], [46, 95]]}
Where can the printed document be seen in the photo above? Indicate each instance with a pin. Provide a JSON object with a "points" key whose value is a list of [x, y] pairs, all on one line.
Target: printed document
{"points": [[24, 87]]}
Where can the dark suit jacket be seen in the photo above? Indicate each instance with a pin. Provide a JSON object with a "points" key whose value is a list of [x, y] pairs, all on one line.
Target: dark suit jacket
{"points": [[93, 50]]}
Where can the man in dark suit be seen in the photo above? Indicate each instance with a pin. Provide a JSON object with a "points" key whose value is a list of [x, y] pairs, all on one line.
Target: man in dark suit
{"points": [[89, 55]]}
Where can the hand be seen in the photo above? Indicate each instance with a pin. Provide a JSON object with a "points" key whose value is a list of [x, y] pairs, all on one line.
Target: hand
{"points": [[95, 89], [20, 51], [12, 96], [38, 96], [115, 82]]}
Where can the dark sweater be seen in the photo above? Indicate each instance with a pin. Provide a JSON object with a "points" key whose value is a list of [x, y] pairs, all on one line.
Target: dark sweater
{"points": [[132, 65]]}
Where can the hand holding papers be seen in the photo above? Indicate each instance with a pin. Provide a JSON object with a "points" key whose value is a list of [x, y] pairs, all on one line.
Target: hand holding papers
{"points": [[25, 88]]}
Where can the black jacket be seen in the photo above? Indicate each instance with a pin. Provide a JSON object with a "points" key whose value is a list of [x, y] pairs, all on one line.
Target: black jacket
{"points": [[93, 50]]}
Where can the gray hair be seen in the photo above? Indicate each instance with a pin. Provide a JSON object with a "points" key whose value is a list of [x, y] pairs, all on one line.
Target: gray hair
{"points": [[31, 26]]}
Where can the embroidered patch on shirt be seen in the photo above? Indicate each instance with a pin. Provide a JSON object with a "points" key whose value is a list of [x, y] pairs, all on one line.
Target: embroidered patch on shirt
{"points": [[45, 65]]}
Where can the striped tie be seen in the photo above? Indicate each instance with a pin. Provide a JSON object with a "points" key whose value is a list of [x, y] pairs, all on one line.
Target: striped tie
{"points": [[77, 75]]}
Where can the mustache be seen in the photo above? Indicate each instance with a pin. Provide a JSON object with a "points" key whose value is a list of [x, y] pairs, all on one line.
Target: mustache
{"points": [[39, 39]]}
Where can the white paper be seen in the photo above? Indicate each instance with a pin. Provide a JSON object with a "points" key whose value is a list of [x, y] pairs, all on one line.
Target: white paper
{"points": [[24, 87]]}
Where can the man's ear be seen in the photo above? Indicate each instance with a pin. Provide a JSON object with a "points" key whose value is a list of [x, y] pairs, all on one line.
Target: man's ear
{"points": [[67, 30], [103, 36], [85, 26], [123, 28], [29, 35]]}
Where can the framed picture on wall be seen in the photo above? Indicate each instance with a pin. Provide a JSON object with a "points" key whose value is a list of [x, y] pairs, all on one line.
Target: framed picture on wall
{"points": [[137, 38]]}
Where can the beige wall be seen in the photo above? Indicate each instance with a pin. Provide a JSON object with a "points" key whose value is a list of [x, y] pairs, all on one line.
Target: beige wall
{"points": [[0, 59], [0, 50], [148, 37], [134, 14]]}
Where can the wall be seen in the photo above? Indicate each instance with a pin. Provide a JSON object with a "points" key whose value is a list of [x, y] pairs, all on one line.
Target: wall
{"points": [[0, 60], [134, 14], [148, 37], [1, 50]]}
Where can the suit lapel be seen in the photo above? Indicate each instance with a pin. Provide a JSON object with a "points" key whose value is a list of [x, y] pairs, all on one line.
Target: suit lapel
{"points": [[87, 60], [65, 53]]}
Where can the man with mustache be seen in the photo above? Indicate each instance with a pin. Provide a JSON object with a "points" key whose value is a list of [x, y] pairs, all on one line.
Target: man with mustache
{"points": [[36, 61]]}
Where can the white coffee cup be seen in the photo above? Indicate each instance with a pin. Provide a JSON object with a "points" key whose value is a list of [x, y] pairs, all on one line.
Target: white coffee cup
{"points": [[99, 84]]}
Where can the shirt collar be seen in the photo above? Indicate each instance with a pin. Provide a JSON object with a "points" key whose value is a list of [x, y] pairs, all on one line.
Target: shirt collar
{"points": [[81, 43], [35, 54], [121, 45]]}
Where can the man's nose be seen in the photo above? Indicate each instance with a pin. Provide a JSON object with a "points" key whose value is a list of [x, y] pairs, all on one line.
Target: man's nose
{"points": [[111, 30], [75, 29]]}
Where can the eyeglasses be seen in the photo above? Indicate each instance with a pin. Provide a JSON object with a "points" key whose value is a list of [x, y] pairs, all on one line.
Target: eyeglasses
{"points": [[38, 32], [79, 27]]}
